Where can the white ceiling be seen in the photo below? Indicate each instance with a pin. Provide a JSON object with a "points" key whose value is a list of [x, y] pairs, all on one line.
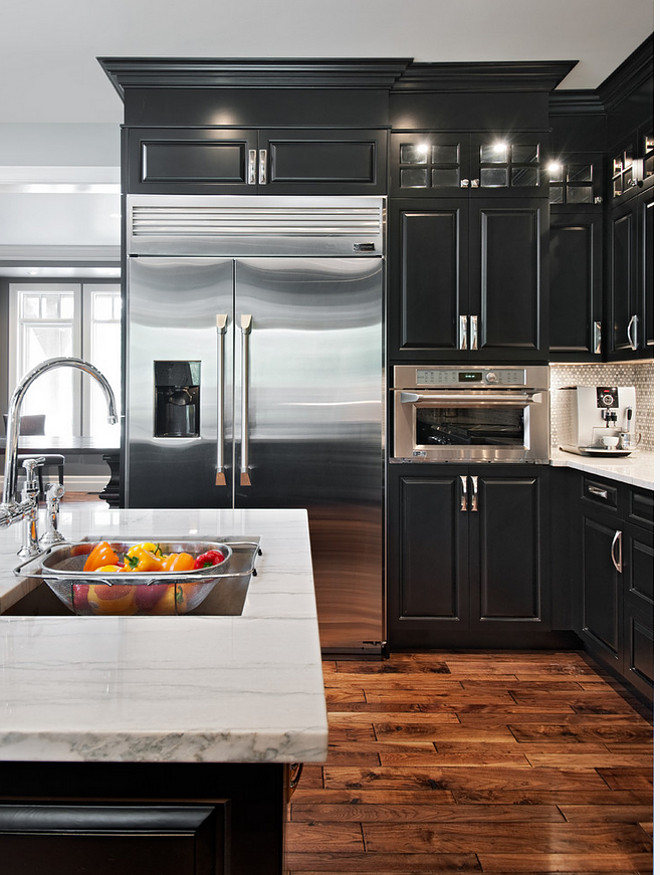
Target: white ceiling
{"points": [[48, 48]]}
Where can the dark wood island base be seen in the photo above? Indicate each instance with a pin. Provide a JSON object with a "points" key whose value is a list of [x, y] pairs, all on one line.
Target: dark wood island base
{"points": [[133, 818]]}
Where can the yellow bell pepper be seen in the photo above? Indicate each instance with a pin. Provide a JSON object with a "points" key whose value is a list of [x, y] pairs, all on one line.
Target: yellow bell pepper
{"points": [[140, 559]]}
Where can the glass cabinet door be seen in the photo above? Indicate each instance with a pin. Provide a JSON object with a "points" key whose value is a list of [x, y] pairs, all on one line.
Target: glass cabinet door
{"points": [[434, 165], [508, 164]]}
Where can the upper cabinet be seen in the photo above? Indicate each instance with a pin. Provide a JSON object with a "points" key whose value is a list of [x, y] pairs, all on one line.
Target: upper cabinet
{"points": [[244, 161], [468, 279], [461, 164], [630, 290]]}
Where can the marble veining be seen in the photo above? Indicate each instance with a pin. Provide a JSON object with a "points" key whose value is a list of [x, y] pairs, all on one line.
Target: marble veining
{"points": [[637, 469], [170, 689]]}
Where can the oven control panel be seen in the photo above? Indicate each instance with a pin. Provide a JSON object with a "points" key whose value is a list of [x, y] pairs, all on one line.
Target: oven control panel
{"points": [[465, 377]]}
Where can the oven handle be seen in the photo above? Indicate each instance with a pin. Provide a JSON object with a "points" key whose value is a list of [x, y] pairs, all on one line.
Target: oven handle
{"points": [[469, 398]]}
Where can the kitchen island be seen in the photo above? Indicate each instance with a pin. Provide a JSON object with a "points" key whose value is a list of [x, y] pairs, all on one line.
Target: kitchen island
{"points": [[160, 744]]}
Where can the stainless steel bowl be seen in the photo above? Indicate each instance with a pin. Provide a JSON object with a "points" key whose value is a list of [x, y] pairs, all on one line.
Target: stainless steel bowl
{"points": [[93, 593]]}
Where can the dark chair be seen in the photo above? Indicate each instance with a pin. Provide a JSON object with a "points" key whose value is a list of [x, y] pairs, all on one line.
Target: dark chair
{"points": [[35, 424]]}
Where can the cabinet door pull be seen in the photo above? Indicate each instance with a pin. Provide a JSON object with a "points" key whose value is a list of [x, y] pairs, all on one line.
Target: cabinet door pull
{"points": [[474, 507], [263, 161], [616, 559], [594, 490], [631, 331], [474, 183], [252, 166], [465, 183], [474, 332], [598, 338], [463, 492], [462, 333]]}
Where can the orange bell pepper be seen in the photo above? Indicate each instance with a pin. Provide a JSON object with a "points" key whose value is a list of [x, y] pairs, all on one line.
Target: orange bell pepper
{"points": [[102, 554], [178, 562]]}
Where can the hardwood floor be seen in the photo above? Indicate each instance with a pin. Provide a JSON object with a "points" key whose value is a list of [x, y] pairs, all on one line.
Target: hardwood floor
{"points": [[496, 762]]}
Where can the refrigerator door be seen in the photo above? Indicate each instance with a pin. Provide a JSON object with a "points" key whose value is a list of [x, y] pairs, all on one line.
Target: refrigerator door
{"points": [[309, 423], [176, 309]]}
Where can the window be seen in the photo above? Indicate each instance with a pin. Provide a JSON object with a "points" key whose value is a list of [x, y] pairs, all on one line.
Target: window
{"points": [[66, 319]]}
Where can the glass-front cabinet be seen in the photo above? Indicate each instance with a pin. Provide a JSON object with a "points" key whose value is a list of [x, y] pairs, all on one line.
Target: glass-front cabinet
{"points": [[455, 163], [632, 164]]}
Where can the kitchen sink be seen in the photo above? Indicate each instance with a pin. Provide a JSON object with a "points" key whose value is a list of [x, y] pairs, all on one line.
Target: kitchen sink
{"points": [[227, 598]]}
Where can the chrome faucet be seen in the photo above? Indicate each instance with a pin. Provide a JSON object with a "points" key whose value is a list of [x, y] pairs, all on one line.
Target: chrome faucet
{"points": [[12, 510]]}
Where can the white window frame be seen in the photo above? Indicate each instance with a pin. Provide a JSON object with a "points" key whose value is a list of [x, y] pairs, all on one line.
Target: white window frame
{"points": [[81, 340]]}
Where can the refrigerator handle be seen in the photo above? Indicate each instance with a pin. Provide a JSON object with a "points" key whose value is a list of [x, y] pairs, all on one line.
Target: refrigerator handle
{"points": [[246, 328], [221, 327]]}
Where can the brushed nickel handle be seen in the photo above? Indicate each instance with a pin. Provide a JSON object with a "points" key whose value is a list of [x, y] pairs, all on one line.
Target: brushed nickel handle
{"points": [[474, 183], [617, 560], [598, 337], [246, 328], [474, 507], [463, 332], [465, 183], [221, 328], [252, 166], [631, 331], [594, 490], [263, 162], [463, 492], [474, 332]]}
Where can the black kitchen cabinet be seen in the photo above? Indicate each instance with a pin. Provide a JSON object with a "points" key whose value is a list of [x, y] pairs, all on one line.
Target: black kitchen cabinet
{"points": [[467, 164], [630, 293], [615, 608], [575, 268], [249, 161], [178, 818], [468, 279], [467, 555]]}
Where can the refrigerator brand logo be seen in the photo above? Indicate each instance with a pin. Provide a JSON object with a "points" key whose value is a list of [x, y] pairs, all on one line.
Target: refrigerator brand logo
{"points": [[419, 454]]}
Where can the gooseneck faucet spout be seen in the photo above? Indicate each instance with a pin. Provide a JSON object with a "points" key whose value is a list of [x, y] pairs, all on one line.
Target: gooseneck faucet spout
{"points": [[9, 506]]}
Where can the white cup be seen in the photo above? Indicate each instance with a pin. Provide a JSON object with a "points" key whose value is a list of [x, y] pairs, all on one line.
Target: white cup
{"points": [[610, 441]]}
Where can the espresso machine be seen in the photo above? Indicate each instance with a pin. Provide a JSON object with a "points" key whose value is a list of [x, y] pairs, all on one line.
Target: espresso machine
{"points": [[601, 421]]}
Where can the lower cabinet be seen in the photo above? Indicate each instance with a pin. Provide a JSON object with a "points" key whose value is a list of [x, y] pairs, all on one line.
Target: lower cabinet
{"points": [[71, 818], [615, 611], [467, 555]]}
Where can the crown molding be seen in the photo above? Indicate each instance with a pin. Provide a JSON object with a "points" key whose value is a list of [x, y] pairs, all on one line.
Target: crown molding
{"points": [[629, 76], [253, 73], [484, 76], [576, 102]]}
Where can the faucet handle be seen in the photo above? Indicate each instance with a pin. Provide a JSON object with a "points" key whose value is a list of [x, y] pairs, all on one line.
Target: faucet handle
{"points": [[30, 466]]}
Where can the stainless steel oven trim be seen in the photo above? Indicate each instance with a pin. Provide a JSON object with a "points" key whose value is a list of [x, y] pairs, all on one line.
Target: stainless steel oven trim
{"points": [[531, 394]]}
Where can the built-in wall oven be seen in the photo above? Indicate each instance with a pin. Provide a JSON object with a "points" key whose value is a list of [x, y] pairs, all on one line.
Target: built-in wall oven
{"points": [[445, 413]]}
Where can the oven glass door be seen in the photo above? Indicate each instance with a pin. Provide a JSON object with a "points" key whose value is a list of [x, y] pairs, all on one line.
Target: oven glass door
{"points": [[482, 426]]}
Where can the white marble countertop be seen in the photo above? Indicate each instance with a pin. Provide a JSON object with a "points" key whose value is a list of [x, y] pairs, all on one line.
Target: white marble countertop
{"points": [[190, 688], [637, 469]]}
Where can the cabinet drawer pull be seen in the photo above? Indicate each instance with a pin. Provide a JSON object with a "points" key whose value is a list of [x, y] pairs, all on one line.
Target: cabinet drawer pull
{"points": [[601, 493], [252, 166], [474, 332], [616, 559], [263, 161]]}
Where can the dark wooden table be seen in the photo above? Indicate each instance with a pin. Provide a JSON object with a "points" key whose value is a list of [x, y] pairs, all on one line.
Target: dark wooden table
{"points": [[73, 444]]}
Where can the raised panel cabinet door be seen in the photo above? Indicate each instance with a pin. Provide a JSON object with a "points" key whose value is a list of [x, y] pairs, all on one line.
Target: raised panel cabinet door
{"points": [[190, 161], [508, 533], [646, 267], [508, 279], [428, 559], [323, 161], [575, 285], [428, 276], [623, 267], [61, 839], [602, 585]]}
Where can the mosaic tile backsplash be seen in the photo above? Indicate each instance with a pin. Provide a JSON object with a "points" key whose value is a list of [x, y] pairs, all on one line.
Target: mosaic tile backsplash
{"points": [[637, 374]]}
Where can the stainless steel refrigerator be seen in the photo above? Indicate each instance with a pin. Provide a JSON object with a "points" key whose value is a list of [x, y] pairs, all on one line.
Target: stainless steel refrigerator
{"points": [[254, 377]]}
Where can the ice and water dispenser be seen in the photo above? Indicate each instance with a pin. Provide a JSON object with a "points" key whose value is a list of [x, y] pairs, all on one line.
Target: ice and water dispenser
{"points": [[177, 399]]}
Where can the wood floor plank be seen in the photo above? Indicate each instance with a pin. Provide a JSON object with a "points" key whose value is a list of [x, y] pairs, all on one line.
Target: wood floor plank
{"points": [[445, 813], [569, 863], [607, 813], [521, 838], [380, 864]]}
